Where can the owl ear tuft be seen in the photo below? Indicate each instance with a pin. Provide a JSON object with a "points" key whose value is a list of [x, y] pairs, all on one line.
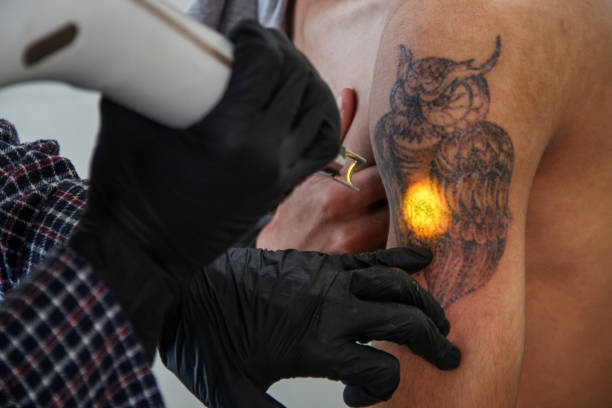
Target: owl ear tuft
{"points": [[405, 56], [405, 63]]}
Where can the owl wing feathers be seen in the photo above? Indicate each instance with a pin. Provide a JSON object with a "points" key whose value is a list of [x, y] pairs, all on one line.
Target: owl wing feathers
{"points": [[473, 167]]}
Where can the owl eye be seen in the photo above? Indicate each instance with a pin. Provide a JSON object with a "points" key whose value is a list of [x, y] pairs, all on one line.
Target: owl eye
{"points": [[449, 108]]}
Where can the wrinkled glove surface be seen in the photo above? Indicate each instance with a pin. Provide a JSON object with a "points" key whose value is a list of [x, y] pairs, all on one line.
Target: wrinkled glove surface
{"points": [[253, 317], [163, 202]]}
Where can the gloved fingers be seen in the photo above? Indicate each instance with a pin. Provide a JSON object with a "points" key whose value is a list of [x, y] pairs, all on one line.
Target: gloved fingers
{"points": [[295, 73], [408, 326], [285, 101], [126, 136], [112, 114], [392, 285], [316, 111], [369, 370], [317, 140], [109, 108], [408, 259], [257, 65], [244, 393], [358, 396]]}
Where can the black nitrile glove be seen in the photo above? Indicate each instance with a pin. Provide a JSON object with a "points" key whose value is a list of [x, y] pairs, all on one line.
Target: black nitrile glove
{"points": [[164, 202], [253, 317]]}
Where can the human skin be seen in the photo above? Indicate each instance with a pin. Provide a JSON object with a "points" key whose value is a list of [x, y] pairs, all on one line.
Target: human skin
{"points": [[551, 92], [323, 215]]}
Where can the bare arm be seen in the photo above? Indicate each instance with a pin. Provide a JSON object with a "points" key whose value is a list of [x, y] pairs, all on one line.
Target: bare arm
{"points": [[457, 137]]}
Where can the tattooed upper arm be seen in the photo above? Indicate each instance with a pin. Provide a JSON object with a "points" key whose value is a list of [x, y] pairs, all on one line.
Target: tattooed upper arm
{"points": [[459, 117], [447, 169]]}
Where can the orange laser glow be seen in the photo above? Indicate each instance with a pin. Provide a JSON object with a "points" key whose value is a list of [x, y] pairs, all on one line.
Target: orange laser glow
{"points": [[425, 210]]}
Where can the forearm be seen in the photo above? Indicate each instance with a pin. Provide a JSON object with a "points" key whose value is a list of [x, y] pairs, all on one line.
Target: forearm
{"points": [[64, 341]]}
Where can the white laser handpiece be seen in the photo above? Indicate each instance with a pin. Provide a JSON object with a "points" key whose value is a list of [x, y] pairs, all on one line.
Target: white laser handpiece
{"points": [[142, 54]]}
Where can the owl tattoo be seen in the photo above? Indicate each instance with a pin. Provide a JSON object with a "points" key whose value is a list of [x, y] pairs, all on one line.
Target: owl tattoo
{"points": [[446, 170]]}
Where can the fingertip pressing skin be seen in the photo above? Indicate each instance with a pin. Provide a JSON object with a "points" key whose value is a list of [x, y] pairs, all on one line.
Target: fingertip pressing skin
{"points": [[357, 397], [378, 378], [450, 360]]}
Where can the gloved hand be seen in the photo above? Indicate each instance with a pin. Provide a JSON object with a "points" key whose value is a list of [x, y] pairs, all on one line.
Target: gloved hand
{"points": [[253, 317], [162, 200]]}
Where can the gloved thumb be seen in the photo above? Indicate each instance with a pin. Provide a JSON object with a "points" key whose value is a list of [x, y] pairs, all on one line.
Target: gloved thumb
{"points": [[408, 259], [244, 393]]}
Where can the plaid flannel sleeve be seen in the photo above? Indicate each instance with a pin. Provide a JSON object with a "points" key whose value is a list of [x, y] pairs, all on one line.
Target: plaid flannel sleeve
{"points": [[63, 339]]}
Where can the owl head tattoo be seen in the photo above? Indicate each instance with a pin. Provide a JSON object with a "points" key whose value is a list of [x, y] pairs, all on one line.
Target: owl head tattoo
{"points": [[443, 92]]}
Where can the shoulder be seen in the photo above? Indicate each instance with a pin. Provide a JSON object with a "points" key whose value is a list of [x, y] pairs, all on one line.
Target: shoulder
{"points": [[549, 44], [534, 47]]}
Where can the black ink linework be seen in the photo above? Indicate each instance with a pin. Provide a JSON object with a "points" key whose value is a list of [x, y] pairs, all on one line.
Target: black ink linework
{"points": [[436, 137]]}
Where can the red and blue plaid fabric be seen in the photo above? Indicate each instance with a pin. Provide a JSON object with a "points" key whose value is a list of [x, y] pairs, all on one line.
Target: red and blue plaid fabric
{"points": [[63, 339]]}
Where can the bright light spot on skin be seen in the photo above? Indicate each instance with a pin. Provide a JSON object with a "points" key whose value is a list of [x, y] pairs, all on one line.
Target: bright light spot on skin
{"points": [[425, 210]]}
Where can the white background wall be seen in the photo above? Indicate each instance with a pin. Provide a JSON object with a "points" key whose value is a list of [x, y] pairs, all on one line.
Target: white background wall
{"points": [[44, 110]]}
